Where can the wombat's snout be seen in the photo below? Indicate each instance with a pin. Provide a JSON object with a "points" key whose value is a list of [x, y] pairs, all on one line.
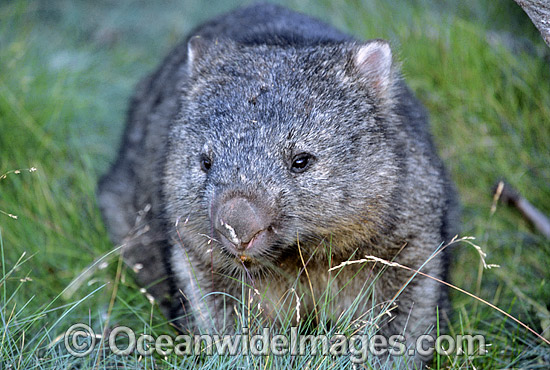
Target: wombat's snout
{"points": [[242, 225]]}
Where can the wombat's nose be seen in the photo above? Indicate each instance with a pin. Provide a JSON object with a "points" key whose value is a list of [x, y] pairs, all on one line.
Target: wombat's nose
{"points": [[240, 221]]}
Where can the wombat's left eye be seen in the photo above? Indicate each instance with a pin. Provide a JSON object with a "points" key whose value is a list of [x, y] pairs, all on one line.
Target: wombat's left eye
{"points": [[206, 163], [301, 162]]}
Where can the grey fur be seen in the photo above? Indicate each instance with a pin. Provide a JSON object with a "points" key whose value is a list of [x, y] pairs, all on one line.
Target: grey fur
{"points": [[249, 91]]}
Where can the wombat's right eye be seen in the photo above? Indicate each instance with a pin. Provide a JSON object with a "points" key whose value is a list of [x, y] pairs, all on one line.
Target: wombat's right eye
{"points": [[301, 162], [206, 163]]}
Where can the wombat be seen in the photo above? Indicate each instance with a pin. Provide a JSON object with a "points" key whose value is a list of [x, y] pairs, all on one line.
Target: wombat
{"points": [[267, 148]]}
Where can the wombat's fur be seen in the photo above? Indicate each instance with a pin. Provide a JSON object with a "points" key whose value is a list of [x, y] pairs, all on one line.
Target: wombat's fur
{"points": [[268, 141]]}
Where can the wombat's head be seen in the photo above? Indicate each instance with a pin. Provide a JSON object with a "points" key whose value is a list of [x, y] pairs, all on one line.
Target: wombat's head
{"points": [[278, 147]]}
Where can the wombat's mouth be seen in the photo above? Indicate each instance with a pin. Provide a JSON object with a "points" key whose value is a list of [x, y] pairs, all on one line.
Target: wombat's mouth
{"points": [[247, 261], [250, 253], [240, 247], [242, 261], [260, 253]]}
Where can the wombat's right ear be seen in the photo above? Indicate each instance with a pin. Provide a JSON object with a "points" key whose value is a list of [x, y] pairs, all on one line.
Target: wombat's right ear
{"points": [[197, 46]]}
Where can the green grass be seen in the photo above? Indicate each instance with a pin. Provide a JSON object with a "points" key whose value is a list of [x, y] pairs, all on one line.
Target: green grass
{"points": [[67, 69]]}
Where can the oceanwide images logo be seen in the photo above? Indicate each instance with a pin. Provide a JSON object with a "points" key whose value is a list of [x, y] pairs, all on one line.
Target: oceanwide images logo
{"points": [[80, 340]]}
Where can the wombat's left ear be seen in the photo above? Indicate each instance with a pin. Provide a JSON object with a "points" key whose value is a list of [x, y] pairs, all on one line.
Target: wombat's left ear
{"points": [[373, 60]]}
